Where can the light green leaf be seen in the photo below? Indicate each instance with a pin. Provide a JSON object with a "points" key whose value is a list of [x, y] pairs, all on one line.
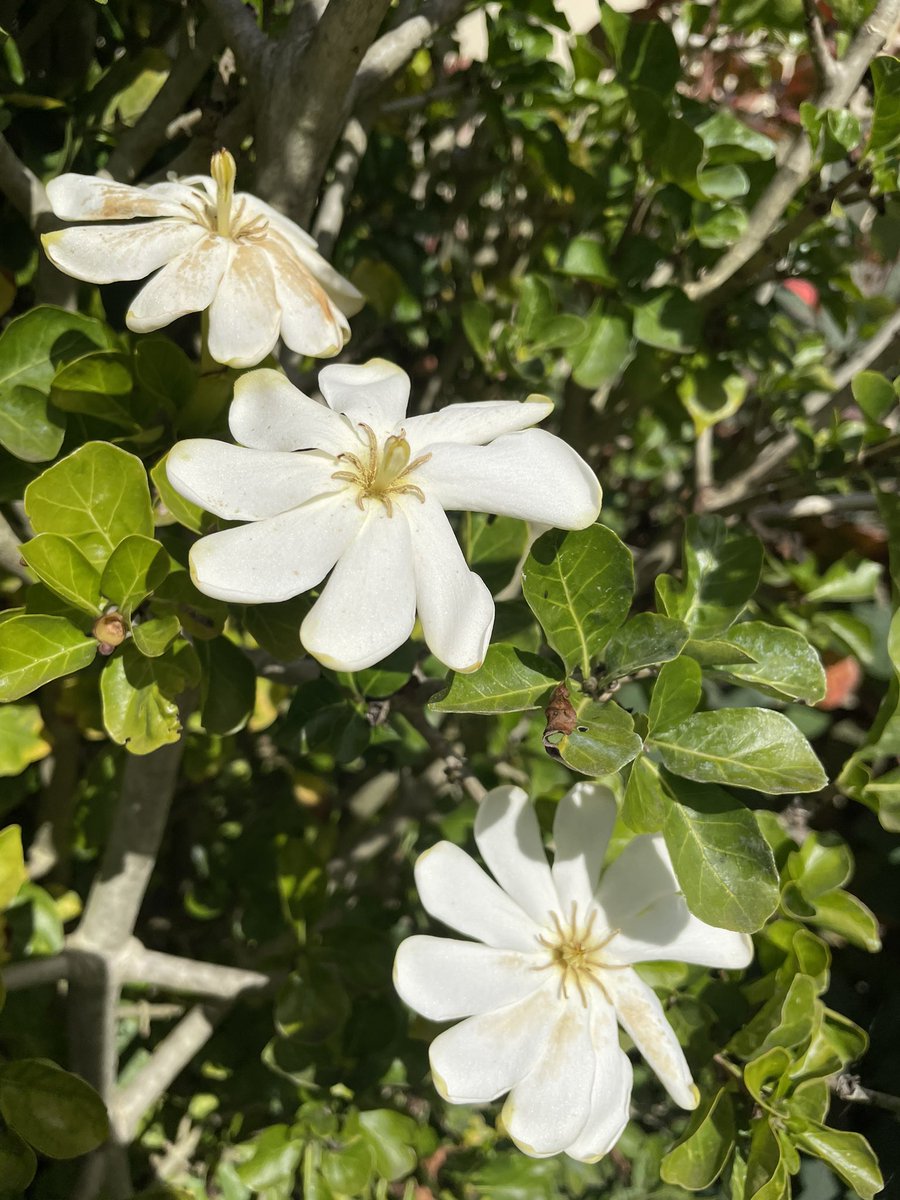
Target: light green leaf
{"points": [[721, 573], [872, 391], [785, 664], [885, 133], [700, 1156], [714, 652], [745, 747], [347, 1168], [584, 257], [155, 634], [12, 865], [643, 641], [676, 693], [57, 1113], [33, 346], [138, 695], [668, 321], [767, 1173], [30, 427], [845, 915], [509, 680], [172, 507], [96, 496], [602, 743], [644, 803], [60, 564], [723, 863], [848, 1154], [822, 863], [97, 385], [604, 351], [36, 649], [711, 394], [136, 567], [21, 743], [579, 586], [848, 579], [391, 1137]]}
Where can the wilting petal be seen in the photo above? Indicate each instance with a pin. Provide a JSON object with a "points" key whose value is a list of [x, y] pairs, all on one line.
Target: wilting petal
{"points": [[611, 1094], [667, 930], [277, 558], [455, 890], [247, 485], [549, 1108], [475, 423], [107, 253], [374, 394], [368, 606], [454, 604], [244, 315], [188, 284], [269, 413], [531, 475], [87, 198], [444, 979], [641, 1016], [581, 830], [310, 324], [508, 837], [485, 1055]]}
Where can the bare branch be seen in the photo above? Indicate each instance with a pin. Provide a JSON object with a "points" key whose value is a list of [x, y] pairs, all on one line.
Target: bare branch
{"points": [[818, 44], [395, 48], [21, 186], [703, 465], [239, 29], [189, 975], [848, 1087], [333, 205], [795, 167]]}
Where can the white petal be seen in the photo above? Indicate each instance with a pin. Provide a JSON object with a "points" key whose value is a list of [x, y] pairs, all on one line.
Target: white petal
{"points": [[244, 315], [549, 1108], [454, 604], [509, 839], [485, 1055], [277, 558], [455, 890], [188, 284], [668, 930], [310, 323], [475, 423], [444, 979], [374, 394], [641, 875], [87, 198], [641, 1016], [269, 413], [531, 475], [368, 606], [247, 485], [611, 1095], [581, 831], [108, 253]]}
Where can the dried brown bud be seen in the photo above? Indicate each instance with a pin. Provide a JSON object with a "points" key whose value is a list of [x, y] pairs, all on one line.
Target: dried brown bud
{"points": [[110, 630], [561, 715]]}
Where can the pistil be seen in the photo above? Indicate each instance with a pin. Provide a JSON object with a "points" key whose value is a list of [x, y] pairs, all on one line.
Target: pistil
{"points": [[385, 474], [575, 951], [223, 170]]}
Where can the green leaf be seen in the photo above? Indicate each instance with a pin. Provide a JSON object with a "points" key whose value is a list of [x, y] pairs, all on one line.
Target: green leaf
{"points": [[767, 1173], [721, 573], [164, 372], [785, 664], [228, 688], [155, 634], [12, 865], [33, 346], [494, 547], [477, 319], [61, 565], [30, 427], [277, 626], [644, 803], [272, 1157], [723, 863], [136, 567], [602, 742], [138, 695], [57, 1113], [584, 257], [676, 694], [822, 863], [391, 1137], [728, 139], [714, 652], [18, 1163], [96, 496], [36, 649], [21, 743], [643, 641], [872, 391], [843, 914], [745, 747], [699, 1158], [579, 586], [347, 1169], [885, 133], [388, 676], [650, 57], [711, 394], [172, 507], [668, 321], [97, 385], [603, 353], [509, 680], [848, 1154]]}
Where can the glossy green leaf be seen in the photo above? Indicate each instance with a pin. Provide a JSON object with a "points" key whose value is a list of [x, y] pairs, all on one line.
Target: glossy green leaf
{"points": [[700, 1156], [60, 564], [785, 664], [822, 863], [21, 740], [155, 634], [30, 427], [228, 686], [843, 914], [744, 747], [645, 801], [579, 586], [97, 385], [585, 258], [676, 694], [872, 391], [723, 863], [36, 649], [714, 652], [602, 742], [388, 676], [649, 57], [12, 864], [272, 1157], [721, 572], [668, 321], [35, 345], [848, 1154], [54, 1111], [643, 641], [136, 567], [509, 680], [885, 132], [96, 496], [138, 695], [391, 1137], [767, 1173], [347, 1168], [603, 353], [494, 547]]}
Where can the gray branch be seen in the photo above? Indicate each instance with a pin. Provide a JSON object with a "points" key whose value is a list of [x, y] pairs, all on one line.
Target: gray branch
{"points": [[395, 48], [21, 186], [189, 975], [247, 41], [818, 44]]}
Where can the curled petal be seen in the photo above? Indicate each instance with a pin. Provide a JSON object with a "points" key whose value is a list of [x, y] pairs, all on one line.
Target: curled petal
{"points": [[368, 606], [310, 323], [375, 393], [508, 836], [187, 284], [531, 475], [475, 423], [444, 979], [269, 413], [611, 1093], [107, 253], [581, 830], [244, 316], [87, 198]]}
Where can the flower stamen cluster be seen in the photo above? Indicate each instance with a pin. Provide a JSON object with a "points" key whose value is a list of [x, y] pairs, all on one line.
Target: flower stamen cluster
{"points": [[575, 951], [381, 475]]}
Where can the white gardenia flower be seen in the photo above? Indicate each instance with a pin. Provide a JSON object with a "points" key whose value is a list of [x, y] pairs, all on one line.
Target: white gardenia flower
{"points": [[256, 272], [355, 485], [550, 976]]}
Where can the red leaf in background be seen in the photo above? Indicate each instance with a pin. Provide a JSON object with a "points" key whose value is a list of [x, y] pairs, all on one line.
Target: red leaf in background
{"points": [[841, 681], [803, 290]]}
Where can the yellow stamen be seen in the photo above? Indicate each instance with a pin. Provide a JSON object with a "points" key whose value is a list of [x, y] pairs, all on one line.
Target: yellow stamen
{"points": [[575, 951], [382, 474]]}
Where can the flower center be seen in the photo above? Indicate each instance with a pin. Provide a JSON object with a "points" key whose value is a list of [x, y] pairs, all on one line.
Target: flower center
{"points": [[382, 473], [575, 951], [224, 217]]}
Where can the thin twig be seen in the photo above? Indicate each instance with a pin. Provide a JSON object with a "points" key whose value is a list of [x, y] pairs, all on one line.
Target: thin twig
{"points": [[818, 44], [848, 1087]]}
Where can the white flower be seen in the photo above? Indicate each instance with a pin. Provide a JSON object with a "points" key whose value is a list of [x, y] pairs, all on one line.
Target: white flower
{"points": [[366, 496], [257, 272], [544, 986]]}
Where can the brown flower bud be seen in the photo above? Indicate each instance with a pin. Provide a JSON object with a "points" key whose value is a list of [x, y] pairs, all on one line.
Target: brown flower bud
{"points": [[561, 715], [110, 630]]}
